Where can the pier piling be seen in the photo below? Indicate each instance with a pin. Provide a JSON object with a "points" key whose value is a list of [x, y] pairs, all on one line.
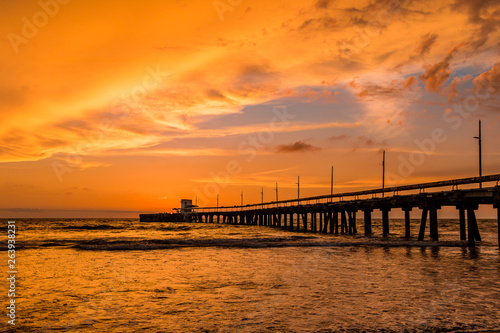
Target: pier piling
{"points": [[423, 221], [433, 224], [304, 221], [368, 221], [407, 211], [385, 221], [343, 222], [334, 226]]}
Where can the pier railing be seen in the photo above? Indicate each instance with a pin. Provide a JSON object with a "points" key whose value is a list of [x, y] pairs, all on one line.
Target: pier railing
{"points": [[454, 183]]}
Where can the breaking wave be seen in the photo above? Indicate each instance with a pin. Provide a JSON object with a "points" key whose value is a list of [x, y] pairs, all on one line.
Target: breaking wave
{"points": [[243, 243]]}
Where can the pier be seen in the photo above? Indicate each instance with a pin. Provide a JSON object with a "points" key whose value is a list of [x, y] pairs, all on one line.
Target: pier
{"points": [[338, 213]]}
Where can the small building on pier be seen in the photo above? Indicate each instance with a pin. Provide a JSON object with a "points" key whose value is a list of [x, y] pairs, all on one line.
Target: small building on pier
{"points": [[182, 214]]}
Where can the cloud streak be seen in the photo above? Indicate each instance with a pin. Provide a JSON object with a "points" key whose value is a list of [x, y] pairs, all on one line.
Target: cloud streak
{"points": [[298, 146]]}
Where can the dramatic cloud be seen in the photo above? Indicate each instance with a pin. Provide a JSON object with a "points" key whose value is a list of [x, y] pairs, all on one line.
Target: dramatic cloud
{"points": [[299, 146], [323, 4], [321, 24], [488, 82], [410, 82], [483, 13], [172, 84], [393, 89], [424, 47], [437, 74], [454, 87], [370, 90], [487, 88], [215, 94], [425, 44], [477, 9]]}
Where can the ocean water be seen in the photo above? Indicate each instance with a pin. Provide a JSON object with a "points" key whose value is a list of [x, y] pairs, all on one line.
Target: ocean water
{"points": [[121, 275]]}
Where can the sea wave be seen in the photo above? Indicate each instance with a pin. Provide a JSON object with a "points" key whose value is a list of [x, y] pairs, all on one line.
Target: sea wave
{"points": [[243, 243], [92, 227]]}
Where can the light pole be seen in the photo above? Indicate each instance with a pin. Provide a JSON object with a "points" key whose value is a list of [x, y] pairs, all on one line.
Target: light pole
{"points": [[298, 190], [331, 186], [276, 193], [383, 173], [479, 139], [241, 198], [217, 202], [262, 197]]}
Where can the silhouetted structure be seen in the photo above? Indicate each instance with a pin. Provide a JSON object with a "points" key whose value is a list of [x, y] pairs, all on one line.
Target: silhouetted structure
{"points": [[183, 214], [161, 217], [319, 216]]}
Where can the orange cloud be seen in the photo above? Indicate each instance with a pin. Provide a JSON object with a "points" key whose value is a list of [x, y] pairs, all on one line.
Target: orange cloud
{"points": [[410, 82], [488, 82], [487, 87], [453, 90], [437, 74]]}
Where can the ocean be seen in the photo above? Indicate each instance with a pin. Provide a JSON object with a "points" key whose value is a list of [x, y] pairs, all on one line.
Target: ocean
{"points": [[122, 275]]}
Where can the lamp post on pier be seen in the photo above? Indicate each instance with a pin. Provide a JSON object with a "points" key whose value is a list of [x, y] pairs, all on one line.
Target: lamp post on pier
{"points": [[276, 194], [383, 173], [331, 186], [262, 197], [298, 190], [479, 139]]}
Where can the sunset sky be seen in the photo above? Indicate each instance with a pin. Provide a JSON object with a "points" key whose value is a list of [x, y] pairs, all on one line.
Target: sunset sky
{"points": [[111, 108]]}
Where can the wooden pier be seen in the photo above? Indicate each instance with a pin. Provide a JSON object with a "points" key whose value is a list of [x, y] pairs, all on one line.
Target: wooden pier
{"points": [[337, 213]]}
